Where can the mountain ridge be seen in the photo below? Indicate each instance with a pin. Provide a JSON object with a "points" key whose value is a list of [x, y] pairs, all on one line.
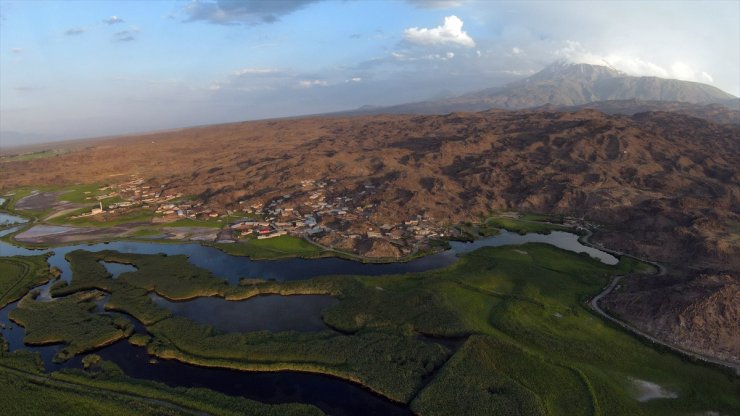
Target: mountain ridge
{"points": [[566, 84]]}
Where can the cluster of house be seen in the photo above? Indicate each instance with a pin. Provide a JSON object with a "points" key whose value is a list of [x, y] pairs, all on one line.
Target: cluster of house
{"points": [[312, 211]]}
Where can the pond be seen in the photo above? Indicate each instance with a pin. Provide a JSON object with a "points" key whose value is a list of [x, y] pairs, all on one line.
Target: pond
{"points": [[7, 219], [262, 313]]}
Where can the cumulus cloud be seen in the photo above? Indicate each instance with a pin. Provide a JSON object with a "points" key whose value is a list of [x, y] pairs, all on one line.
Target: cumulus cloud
{"points": [[113, 20], [249, 12], [450, 33], [74, 31]]}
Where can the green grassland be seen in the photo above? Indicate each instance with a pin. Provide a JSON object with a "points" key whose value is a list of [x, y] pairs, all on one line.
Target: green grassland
{"points": [[273, 248], [105, 390], [20, 274], [522, 226], [532, 346]]}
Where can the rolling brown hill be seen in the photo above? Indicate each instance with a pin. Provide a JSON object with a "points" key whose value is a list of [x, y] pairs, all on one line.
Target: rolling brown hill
{"points": [[661, 185], [664, 184]]}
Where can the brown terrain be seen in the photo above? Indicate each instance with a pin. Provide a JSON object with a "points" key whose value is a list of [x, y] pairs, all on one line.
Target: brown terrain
{"points": [[700, 313], [661, 185]]}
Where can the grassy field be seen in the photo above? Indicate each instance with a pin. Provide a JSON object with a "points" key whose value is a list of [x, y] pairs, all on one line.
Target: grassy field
{"points": [[105, 390], [19, 274], [530, 346], [528, 223], [273, 248]]}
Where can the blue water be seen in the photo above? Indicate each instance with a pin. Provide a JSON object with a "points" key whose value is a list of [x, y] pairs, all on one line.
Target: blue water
{"points": [[7, 219], [273, 313]]}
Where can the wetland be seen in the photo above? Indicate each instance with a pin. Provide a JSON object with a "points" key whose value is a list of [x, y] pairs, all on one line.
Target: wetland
{"points": [[353, 338]]}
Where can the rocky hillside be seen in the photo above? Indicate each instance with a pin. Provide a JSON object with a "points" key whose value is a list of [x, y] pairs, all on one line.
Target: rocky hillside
{"points": [[664, 185], [700, 312]]}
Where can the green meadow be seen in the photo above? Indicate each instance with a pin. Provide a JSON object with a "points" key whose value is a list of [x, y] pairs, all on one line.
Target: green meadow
{"points": [[272, 248]]}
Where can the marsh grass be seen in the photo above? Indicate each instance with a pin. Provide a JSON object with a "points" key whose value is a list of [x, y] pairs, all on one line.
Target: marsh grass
{"points": [[533, 347], [20, 274]]}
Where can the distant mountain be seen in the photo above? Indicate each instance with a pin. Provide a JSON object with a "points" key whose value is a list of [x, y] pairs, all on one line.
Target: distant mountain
{"points": [[568, 84]]}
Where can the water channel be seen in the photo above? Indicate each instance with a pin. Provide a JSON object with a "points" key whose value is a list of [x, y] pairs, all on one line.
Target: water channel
{"points": [[274, 313]]}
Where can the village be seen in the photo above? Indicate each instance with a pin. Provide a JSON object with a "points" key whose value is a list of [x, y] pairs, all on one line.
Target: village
{"points": [[331, 222]]}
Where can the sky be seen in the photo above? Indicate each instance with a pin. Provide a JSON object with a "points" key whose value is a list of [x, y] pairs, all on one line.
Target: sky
{"points": [[74, 69]]}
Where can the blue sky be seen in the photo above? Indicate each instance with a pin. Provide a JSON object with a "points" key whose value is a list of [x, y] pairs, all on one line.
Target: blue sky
{"points": [[72, 69]]}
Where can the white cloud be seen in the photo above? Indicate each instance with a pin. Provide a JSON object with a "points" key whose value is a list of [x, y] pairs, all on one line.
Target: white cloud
{"points": [[633, 65], [356, 79], [449, 33], [516, 51]]}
